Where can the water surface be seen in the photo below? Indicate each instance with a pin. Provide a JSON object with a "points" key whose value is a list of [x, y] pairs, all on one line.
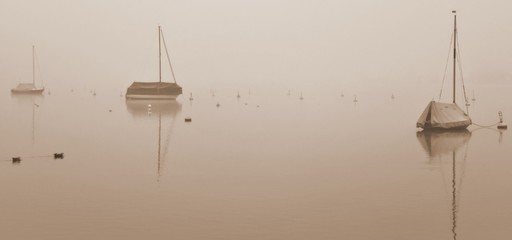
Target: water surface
{"points": [[263, 166]]}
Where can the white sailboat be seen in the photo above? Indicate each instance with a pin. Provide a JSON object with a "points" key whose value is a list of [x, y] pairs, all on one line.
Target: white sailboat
{"points": [[445, 116], [29, 88], [156, 90]]}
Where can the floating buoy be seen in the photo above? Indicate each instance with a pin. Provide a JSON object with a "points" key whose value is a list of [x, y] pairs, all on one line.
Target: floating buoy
{"points": [[16, 160], [218, 105], [188, 119], [301, 97], [58, 155], [501, 125]]}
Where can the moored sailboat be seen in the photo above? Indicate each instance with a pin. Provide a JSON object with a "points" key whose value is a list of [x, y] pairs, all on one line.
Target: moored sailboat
{"points": [[445, 116], [29, 88], [156, 90]]}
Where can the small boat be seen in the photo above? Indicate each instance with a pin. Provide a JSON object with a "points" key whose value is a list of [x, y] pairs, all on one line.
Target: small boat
{"points": [[445, 116], [29, 88], [156, 90]]}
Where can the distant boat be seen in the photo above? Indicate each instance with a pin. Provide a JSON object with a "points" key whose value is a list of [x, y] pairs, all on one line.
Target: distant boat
{"points": [[445, 116], [156, 90], [29, 88]]}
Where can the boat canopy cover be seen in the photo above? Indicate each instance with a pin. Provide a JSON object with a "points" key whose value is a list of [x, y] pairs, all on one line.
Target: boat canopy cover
{"points": [[25, 87], [443, 116], [154, 88]]}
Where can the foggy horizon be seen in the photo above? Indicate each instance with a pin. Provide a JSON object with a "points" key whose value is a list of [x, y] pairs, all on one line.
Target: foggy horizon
{"points": [[288, 44]]}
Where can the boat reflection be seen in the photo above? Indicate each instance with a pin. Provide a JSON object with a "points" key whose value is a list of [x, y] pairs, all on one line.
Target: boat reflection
{"points": [[161, 108], [143, 108], [442, 147], [33, 102]]}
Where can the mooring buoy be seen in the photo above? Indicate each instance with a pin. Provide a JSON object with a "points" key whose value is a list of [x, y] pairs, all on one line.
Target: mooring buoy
{"points": [[16, 160]]}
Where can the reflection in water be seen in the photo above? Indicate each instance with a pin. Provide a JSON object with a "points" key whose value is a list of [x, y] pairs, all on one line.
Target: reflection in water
{"points": [[446, 143], [33, 102], [145, 108], [140, 108]]}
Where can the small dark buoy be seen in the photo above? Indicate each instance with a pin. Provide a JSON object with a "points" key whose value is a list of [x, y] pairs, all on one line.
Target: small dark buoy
{"points": [[110, 110], [502, 126], [16, 160], [188, 119], [58, 155]]}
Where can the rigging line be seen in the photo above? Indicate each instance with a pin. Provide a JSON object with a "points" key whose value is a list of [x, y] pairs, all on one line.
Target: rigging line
{"points": [[38, 68], [486, 126], [462, 78], [168, 58], [446, 67]]}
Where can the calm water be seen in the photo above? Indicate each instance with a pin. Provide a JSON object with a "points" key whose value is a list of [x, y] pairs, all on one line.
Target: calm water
{"points": [[265, 166]]}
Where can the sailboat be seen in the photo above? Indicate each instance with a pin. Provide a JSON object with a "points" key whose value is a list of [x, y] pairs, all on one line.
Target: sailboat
{"points": [[29, 88], [445, 116], [156, 90]]}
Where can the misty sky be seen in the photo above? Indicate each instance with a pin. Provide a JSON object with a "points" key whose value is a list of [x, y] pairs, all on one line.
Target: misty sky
{"points": [[287, 43]]}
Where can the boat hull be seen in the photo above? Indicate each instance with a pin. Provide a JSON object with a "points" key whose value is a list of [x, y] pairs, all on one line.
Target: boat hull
{"points": [[149, 97], [27, 91], [153, 90]]}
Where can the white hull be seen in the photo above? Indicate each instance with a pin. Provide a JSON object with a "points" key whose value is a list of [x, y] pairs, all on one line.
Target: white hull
{"points": [[28, 91], [142, 96]]}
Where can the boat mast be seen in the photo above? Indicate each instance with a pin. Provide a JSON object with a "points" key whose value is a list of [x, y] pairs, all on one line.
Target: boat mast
{"points": [[159, 54], [33, 66], [454, 49]]}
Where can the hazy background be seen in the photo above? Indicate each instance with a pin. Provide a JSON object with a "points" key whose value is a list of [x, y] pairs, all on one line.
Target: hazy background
{"points": [[106, 45]]}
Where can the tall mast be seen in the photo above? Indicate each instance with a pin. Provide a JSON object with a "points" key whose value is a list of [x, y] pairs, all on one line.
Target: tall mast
{"points": [[454, 49], [33, 66], [159, 55]]}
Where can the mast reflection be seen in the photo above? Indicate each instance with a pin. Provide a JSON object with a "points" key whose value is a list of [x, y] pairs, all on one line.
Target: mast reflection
{"points": [[33, 102], [161, 108], [440, 146]]}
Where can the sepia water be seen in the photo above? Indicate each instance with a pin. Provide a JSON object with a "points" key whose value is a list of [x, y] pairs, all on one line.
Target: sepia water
{"points": [[266, 165]]}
